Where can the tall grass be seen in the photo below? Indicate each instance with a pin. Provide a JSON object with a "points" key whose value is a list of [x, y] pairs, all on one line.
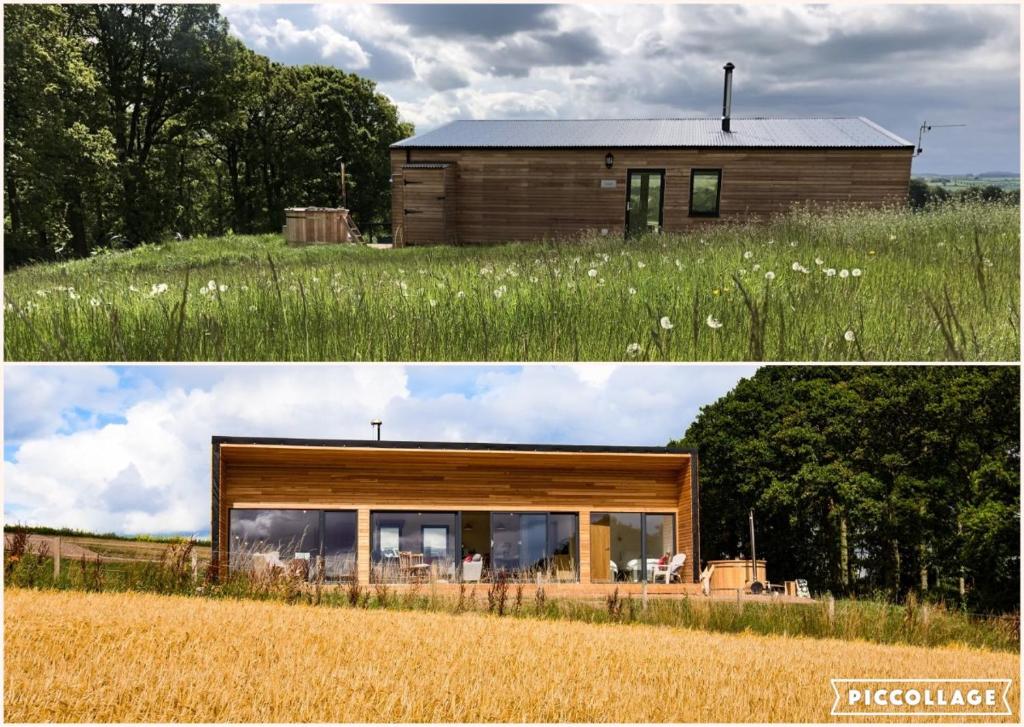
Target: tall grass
{"points": [[875, 621], [103, 657], [817, 286]]}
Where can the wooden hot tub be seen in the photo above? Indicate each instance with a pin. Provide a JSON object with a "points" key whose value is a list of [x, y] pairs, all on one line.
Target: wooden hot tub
{"points": [[318, 225], [733, 574]]}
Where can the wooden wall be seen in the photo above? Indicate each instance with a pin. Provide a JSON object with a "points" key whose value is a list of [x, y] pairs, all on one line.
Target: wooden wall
{"points": [[531, 194], [270, 476]]}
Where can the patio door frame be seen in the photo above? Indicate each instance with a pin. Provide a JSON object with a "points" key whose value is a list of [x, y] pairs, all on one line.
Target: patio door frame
{"points": [[661, 196]]}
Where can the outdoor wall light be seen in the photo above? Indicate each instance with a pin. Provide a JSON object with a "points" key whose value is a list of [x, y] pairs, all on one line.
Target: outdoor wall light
{"points": [[608, 160]]}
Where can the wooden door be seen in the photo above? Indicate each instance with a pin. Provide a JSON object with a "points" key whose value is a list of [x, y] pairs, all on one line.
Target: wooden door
{"points": [[600, 552], [425, 205]]}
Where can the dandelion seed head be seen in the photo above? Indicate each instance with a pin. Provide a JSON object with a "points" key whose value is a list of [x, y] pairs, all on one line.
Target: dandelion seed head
{"points": [[844, 273], [830, 272], [632, 291], [856, 272], [849, 336], [666, 323], [769, 276], [713, 323], [748, 254], [592, 273], [633, 350]]}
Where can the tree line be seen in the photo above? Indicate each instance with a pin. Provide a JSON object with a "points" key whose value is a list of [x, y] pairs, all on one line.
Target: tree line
{"points": [[127, 124], [922, 194], [869, 481]]}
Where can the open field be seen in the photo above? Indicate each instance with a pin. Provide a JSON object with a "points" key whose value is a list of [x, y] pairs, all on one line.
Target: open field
{"points": [[133, 657], [874, 285], [955, 183]]}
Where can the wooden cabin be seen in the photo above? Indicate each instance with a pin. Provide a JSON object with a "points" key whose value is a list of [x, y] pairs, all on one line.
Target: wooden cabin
{"points": [[473, 182], [577, 519]]}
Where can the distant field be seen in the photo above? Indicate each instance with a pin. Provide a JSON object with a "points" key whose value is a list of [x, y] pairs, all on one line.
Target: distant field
{"points": [[76, 544], [130, 657], [956, 183], [871, 285]]}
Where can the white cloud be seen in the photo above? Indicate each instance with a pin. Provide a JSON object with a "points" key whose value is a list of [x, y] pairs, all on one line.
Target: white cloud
{"points": [[897, 64], [149, 470]]}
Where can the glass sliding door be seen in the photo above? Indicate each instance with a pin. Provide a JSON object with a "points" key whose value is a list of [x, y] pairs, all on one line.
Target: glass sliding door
{"points": [[659, 536], [625, 547], [339, 536], [267, 541], [412, 546], [563, 547], [527, 545]]}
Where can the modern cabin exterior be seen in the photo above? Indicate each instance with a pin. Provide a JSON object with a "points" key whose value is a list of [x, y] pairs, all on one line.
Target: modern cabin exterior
{"points": [[473, 182], [576, 519], [477, 182]]}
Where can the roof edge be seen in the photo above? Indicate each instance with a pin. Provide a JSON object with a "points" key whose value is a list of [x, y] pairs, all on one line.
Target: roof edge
{"points": [[217, 440], [886, 132]]}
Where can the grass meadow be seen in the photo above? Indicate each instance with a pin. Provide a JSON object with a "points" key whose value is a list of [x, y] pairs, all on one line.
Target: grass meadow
{"points": [[128, 657], [881, 285]]}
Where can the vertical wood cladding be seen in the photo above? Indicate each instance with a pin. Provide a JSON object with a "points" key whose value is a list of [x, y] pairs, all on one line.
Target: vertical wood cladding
{"points": [[524, 194], [259, 476]]}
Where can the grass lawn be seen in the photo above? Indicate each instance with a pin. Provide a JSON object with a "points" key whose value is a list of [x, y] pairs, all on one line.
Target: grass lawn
{"points": [[139, 657], [856, 285]]}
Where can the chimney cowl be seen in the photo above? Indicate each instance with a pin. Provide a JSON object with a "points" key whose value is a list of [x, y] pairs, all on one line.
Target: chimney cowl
{"points": [[727, 98]]}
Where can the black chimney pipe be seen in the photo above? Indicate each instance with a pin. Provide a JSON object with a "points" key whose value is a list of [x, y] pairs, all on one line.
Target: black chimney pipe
{"points": [[727, 97]]}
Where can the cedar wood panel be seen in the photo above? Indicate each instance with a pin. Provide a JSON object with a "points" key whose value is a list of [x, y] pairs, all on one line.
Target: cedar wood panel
{"points": [[372, 479], [524, 194]]}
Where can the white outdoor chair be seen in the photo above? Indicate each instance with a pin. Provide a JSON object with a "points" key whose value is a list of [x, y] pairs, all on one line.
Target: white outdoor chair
{"points": [[473, 570], [669, 571]]}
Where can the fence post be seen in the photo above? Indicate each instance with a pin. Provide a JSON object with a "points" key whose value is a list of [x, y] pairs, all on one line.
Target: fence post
{"points": [[831, 610], [643, 591], [739, 598], [195, 566], [56, 559]]}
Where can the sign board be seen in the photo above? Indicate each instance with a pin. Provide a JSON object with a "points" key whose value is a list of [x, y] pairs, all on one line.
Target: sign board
{"points": [[608, 184]]}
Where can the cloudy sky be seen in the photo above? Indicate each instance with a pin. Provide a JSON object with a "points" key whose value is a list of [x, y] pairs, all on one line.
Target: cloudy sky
{"points": [[127, 449], [898, 65]]}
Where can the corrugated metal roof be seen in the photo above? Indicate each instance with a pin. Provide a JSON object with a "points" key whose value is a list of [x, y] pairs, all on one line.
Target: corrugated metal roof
{"points": [[837, 133]]}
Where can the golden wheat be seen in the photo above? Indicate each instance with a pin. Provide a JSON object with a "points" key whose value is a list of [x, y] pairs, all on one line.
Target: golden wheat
{"points": [[137, 657]]}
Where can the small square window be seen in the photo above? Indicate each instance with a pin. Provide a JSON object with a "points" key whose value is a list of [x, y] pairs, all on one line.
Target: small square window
{"points": [[705, 192]]}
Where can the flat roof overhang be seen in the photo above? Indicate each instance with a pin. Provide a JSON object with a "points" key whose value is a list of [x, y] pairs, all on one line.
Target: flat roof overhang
{"points": [[339, 452]]}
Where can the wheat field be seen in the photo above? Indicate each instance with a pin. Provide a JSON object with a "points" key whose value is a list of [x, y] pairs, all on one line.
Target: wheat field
{"points": [[138, 657]]}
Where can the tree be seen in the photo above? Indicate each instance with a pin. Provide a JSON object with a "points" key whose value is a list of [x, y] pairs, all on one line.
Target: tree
{"points": [[868, 479], [132, 123]]}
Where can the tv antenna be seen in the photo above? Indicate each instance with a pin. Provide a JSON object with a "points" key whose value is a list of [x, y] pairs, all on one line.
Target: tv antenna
{"points": [[925, 126]]}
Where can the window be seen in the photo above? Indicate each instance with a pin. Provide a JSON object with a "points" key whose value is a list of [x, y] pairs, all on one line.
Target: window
{"points": [[435, 541], [625, 546], [705, 192], [339, 545], [412, 546], [271, 538], [527, 544], [390, 536], [287, 539]]}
